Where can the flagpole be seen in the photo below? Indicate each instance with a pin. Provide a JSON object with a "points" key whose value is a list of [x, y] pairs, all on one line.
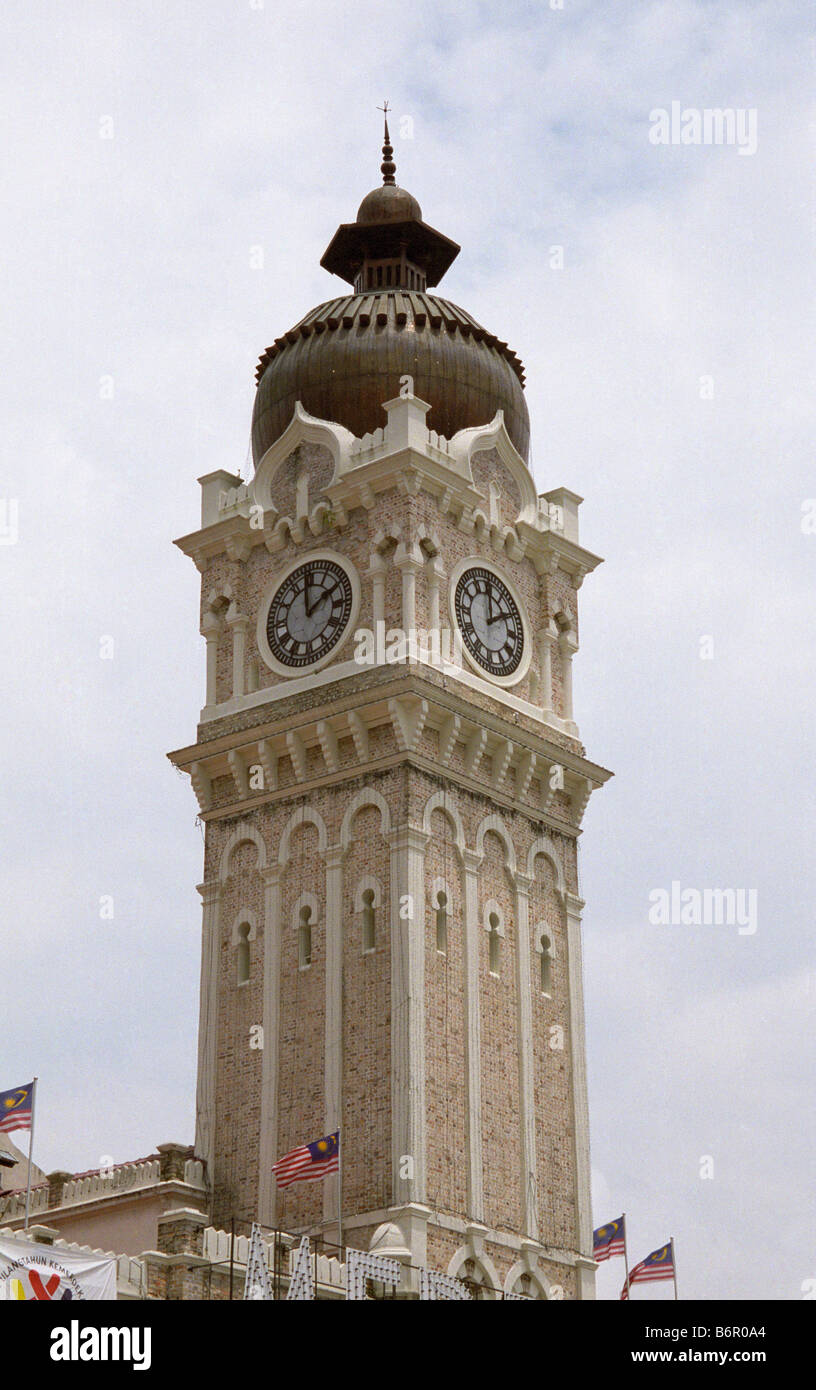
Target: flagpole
{"points": [[625, 1252], [30, 1148], [674, 1266], [339, 1195]]}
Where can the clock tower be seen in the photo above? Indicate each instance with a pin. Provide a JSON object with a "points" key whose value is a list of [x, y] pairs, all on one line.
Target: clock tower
{"points": [[392, 783]]}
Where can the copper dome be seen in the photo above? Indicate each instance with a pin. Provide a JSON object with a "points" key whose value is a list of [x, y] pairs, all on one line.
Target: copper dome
{"points": [[346, 357], [389, 204]]}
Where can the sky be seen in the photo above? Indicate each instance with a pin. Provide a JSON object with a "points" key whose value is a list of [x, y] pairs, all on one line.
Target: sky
{"points": [[172, 174]]}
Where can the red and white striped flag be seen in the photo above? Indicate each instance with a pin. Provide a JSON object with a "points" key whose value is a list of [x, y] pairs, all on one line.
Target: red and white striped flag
{"points": [[310, 1163]]}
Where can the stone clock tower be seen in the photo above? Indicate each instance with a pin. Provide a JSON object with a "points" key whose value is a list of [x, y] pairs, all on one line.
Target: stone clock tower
{"points": [[392, 783]]}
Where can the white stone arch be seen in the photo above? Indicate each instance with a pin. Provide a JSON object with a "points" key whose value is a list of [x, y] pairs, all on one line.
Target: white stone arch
{"points": [[302, 428], [545, 845], [441, 801], [492, 909], [367, 796], [304, 815], [368, 883], [245, 916], [306, 900], [492, 1279], [496, 824], [537, 1275], [239, 836]]}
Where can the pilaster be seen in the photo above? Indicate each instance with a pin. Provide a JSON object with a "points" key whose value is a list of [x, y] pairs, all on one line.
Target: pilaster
{"points": [[408, 845], [208, 1026], [473, 1060], [267, 1202], [529, 1194]]}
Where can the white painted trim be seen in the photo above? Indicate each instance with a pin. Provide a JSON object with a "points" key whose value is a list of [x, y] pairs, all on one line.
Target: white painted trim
{"points": [[345, 669]]}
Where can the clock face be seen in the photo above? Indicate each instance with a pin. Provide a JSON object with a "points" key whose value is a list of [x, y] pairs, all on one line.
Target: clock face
{"points": [[309, 613], [489, 621]]}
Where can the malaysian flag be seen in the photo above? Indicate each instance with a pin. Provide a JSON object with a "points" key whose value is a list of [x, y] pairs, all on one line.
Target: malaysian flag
{"points": [[609, 1240], [15, 1108], [658, 1265], [309, 1163]]}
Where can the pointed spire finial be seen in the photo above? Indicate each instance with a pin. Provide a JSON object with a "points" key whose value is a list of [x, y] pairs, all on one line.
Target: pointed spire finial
{"points": [[388, 168]]}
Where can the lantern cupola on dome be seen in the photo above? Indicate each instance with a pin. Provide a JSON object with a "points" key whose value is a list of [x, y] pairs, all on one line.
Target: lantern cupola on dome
{"points": [[346, 357]]}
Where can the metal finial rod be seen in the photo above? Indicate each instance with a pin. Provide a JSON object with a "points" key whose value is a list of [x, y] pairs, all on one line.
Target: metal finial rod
{"points": [[388, 168]]}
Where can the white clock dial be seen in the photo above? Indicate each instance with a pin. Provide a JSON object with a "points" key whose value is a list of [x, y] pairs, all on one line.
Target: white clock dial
{"points": [[489, 620], [309, 613]]}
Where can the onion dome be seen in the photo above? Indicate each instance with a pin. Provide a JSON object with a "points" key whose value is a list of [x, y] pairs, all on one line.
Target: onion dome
{"points": [[346, 357]]}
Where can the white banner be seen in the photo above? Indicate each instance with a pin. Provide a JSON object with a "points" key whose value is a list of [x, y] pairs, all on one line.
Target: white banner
{"points": [[51, 1273]]}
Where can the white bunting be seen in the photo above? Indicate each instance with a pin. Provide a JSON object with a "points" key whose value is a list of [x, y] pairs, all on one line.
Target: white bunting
{"points": [[256, 1284], [301, 1282], [362, 1265], [434, 1287]]}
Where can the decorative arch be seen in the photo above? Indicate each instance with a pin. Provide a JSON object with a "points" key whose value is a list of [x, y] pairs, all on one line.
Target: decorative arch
{"points": [[440, 801], [497, 825], [545, 845], [492, 1280], [239, 836], [306, 900], [539, 1278], [366, 883], [476, 438], [367, 796], [245, 916], [302, 428], [304, 815]]}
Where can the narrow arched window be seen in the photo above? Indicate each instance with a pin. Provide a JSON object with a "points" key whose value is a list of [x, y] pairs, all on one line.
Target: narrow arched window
{"points": [[546, 965], [369, 920], [442, 922], [242, 954], [473, 1277], [305, 938], [494, 944]]}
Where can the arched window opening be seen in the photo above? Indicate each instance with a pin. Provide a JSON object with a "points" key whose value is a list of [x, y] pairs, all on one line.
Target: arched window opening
{"points": [[305, 938], [242, 954], [473, 1277], [369, 920], [546, 965], [442, 922], [494, 944]]}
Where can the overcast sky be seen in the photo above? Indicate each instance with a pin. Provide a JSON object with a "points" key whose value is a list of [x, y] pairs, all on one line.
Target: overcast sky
{"points": [[148, 148]]}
